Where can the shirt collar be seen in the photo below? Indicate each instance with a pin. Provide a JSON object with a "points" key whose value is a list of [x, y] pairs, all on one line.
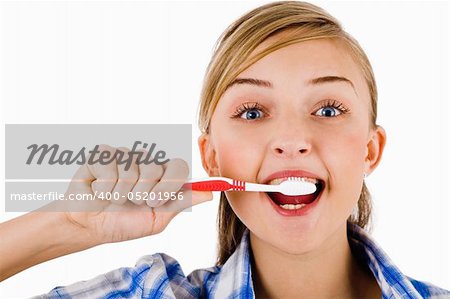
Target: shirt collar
{"points": [[235, 279], [393, 283]]}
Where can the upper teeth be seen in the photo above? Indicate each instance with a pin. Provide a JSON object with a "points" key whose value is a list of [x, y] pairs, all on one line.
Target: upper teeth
{"points": [[278, 181]]}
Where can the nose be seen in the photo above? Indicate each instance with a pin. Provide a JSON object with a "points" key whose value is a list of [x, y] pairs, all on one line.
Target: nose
{"points": [[291, 148], [291, 141]]}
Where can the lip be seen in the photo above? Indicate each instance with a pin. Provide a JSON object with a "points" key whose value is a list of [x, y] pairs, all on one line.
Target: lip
{"points": [[294, 173], [299, 212], [291, 173]]}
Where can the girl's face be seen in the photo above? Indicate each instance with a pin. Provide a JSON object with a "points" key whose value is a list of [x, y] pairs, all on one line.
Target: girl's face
{"points": [[300, 111]]}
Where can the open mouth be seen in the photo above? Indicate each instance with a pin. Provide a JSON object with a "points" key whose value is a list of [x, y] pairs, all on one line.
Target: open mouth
{"points": [[299, 201]]}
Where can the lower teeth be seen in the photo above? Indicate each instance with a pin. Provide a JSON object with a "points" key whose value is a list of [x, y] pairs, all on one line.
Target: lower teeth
{"points": [[292, 207]]}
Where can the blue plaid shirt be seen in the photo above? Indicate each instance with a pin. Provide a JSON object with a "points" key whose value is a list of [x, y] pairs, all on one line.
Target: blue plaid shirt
{"points": [[160, 276]]}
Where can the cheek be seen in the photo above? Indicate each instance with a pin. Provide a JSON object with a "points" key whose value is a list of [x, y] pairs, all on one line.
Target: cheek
{"points": [[343, 148], [347, 149], [238, 157], [344, 157]]}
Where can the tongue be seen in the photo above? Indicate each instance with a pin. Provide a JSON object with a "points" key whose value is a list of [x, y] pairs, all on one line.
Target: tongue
{"points": [[281, 199]]}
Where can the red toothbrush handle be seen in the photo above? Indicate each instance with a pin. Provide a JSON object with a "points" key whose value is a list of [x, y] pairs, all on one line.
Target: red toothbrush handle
{"points": [[216, 185]]}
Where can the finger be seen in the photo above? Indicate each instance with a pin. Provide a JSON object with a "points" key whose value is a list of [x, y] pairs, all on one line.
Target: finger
{"points": [[79, 187], [82, 180], [175, 174], [149, 176], [105, 172], [128, 172], [169, 210]]}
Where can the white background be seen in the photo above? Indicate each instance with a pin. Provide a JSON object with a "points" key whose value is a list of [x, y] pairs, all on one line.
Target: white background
{"points": [[143, 62]]}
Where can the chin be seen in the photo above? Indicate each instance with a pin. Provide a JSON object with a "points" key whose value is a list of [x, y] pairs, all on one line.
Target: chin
{"points": [[295, 246], [292, 241]]}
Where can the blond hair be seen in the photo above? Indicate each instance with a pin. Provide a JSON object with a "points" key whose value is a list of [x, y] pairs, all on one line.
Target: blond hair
{"points": [[235, 52]]}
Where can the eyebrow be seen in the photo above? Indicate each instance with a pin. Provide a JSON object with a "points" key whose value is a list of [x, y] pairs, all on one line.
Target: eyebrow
{"points": [[250, 81], [268, 84], [330, 79]]}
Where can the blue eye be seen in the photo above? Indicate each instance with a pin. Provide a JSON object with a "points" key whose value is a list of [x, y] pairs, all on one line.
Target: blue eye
{"points": [[250, 111], [328, 112], [331, 108], [252, 114]]}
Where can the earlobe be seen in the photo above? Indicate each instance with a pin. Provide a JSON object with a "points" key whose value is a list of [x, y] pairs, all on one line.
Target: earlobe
{"points": [[375, 148], [208, 155]]}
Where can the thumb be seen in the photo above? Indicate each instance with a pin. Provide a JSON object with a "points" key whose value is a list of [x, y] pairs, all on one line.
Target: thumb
{"points": [[192, 198], [199, 197]]}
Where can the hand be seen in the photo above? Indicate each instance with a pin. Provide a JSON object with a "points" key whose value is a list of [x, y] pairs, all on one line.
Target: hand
{"points": [[113, 220]]}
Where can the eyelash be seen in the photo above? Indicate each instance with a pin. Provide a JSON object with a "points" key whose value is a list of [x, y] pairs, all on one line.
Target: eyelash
{"points": [[334, 104], [256, 106], [247, 107]]}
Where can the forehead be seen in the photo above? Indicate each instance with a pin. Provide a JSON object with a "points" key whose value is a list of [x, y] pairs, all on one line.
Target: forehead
{"points": [[308, 59]]}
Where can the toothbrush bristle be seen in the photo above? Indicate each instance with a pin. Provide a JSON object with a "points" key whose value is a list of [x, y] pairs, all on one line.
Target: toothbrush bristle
{"points": [[297, 186]]}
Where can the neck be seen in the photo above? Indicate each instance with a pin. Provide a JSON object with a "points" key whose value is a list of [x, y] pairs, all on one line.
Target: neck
{"points": [[326, 272]]}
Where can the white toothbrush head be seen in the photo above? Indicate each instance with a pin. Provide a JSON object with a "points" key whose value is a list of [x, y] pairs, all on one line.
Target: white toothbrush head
{"points": [[296, 186]]}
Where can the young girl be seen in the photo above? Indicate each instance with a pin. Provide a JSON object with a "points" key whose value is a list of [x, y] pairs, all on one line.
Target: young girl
{"points": [[287, 93]]}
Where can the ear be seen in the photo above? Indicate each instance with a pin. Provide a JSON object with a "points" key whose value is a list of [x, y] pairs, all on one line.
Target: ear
{"points": [[375, 148], [208, 155]]}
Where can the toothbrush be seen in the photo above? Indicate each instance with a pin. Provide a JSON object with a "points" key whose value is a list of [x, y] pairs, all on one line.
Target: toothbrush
{"points": [[292, 186]]}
